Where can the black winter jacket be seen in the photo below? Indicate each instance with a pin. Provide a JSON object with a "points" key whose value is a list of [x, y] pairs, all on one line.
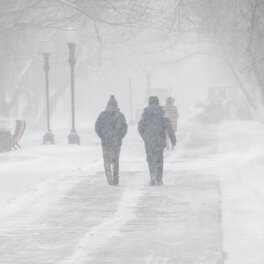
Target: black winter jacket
{"points": [[111, 127], [154, 126]]}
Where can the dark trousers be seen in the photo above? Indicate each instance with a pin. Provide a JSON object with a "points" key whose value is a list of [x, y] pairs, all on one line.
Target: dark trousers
{"points": [[155, 162], [111, 162]]}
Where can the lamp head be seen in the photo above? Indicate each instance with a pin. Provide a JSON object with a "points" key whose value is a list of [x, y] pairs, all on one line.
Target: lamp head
{"points": [[71, 35], [46, 46], [149, 70]]}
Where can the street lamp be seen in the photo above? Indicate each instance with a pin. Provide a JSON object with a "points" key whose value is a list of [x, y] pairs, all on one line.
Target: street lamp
{"points": [[130, 97], [149, 80], [46, 48], [71, 36]]}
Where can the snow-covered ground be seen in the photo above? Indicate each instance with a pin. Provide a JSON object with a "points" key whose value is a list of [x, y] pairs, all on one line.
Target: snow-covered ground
{"points": [[241, 170], [57, 208]]}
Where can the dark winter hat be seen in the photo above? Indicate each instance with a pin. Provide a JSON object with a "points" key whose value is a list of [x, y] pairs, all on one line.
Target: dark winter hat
{"points": [[112, 104], [153, 100]]}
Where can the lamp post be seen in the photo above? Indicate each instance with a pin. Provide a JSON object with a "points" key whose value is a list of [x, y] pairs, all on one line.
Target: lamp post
{"points": [[149, 80], [71, 36], [46, 48], [130, 98]]}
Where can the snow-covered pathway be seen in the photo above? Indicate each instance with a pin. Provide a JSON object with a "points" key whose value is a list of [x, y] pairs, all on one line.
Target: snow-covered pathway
{"points": [[72, 216]]}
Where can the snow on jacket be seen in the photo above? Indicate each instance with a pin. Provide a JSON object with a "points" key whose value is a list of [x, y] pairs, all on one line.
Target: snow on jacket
{"points": [[154, 126], [111, 127]]}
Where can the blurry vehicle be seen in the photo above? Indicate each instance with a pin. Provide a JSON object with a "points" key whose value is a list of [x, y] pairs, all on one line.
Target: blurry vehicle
{"points": [[224, 102]]}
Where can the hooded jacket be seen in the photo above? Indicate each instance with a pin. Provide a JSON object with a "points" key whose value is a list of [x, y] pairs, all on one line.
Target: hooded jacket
{"points": [[154, 126], [111, 125]]}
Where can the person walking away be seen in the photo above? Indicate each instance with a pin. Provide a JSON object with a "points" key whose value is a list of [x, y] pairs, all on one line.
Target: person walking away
{"points": [[172, 113], [111, 127], [153, 128]]}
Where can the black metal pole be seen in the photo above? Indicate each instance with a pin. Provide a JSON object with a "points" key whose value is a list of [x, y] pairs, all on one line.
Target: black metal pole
{"points": [[73, 137], [46, 68], [72, 99], [130, 100], [49, 136], [149, 83]]}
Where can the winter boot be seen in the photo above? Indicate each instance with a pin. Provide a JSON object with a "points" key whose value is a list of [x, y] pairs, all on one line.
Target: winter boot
{"points": [[159, 181], [109, 180], [153, 181], [115, 181]]}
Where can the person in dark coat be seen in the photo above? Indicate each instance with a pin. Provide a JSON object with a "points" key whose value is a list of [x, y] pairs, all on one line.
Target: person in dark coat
{"points": [[111, 127], [153, 128]]}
